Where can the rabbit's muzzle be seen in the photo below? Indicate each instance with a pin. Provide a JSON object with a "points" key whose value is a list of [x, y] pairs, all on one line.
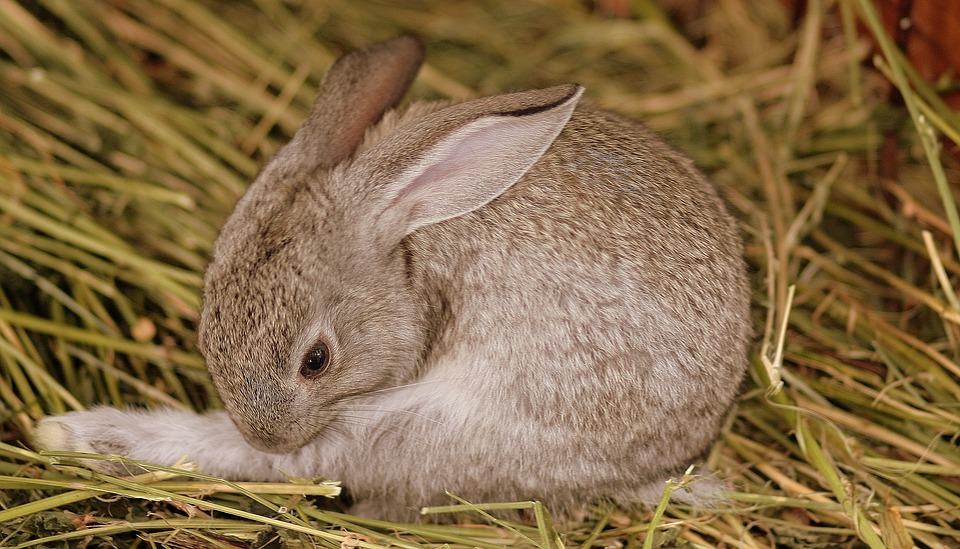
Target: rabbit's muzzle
{"points": [[268, 420]]}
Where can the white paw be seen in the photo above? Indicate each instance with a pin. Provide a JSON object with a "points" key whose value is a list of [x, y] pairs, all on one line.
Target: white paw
{"points": [[106, 431], [51, 434]]}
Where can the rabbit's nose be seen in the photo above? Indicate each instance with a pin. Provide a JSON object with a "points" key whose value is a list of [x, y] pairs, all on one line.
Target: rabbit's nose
{"points": [[265, 416]]}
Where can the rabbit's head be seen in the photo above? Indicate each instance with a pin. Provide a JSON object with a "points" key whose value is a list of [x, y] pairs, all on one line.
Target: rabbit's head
{"points": [[307, 301]]}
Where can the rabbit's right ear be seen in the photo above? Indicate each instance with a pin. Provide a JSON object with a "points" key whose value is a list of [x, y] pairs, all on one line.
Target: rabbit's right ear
{"points": [[354, 94]]}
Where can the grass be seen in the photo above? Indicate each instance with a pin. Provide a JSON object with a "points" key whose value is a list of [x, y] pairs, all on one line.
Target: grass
{"points": [[128, 130]]}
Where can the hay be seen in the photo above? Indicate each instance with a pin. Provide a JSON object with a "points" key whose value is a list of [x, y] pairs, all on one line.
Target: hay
{"points": [[129, 128]]}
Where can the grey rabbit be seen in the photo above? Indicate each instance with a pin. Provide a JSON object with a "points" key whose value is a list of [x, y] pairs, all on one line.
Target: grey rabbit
{"points": [[511, 298]]}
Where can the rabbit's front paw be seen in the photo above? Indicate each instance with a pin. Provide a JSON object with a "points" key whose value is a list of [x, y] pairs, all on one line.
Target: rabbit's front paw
{"points": [[99, 431]]}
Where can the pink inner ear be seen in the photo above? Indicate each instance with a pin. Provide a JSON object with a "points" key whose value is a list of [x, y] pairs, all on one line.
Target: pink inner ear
{"points": [[475, 164], [493, 143], [446, 169]]}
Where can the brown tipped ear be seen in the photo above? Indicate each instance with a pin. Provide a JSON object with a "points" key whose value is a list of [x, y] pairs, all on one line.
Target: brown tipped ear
{"points": [[354, 94], [462, 157]]}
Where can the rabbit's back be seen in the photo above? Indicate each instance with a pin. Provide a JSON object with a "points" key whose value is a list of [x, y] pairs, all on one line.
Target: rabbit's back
{"points": [[602, 301]]}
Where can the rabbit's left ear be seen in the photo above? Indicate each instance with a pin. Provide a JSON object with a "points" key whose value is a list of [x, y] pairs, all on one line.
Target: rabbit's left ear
{"points": [[354, 94], [462, 157]]}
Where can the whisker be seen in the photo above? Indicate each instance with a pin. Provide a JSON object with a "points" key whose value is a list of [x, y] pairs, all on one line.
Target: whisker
{"points": [[362, 407], [386, 390], [417, 434]]}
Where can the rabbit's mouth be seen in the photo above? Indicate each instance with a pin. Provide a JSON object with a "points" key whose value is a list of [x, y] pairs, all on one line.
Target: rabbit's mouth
{"points": [[269, 429], [281, 435], [273, 441]]}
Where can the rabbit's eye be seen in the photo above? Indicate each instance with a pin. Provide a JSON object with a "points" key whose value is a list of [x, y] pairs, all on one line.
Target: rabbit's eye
{"points": [[315, 362]]}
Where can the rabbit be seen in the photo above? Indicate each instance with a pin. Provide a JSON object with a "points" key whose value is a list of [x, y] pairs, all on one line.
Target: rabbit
{"points": [[517, 297]]}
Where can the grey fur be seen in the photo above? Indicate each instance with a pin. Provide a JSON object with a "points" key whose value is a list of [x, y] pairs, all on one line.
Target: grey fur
{"points": [[522, 301]]}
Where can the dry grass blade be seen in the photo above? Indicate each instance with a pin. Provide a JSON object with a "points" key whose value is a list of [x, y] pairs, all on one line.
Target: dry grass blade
{"points": [[129, 128]]}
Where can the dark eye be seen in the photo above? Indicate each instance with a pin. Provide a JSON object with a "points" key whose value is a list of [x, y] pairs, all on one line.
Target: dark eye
{"points": [[315, 361]]}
